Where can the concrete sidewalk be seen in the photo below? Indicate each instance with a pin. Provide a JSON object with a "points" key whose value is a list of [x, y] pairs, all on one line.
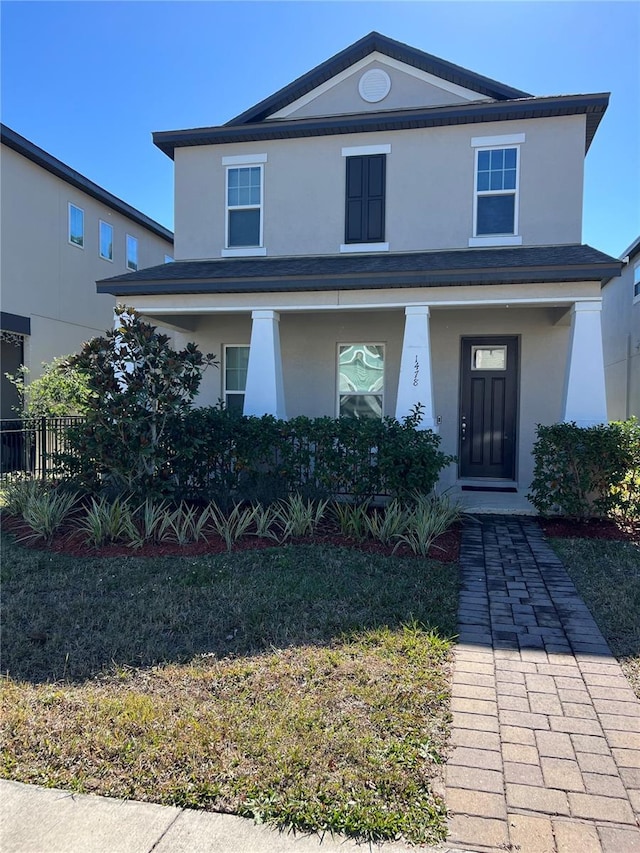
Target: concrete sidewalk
{"points": [[45, 820]]}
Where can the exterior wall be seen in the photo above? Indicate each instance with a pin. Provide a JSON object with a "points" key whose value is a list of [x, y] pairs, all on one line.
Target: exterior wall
{"points": [[46, 278], [406, 91], [429, 188], [621, 344]]}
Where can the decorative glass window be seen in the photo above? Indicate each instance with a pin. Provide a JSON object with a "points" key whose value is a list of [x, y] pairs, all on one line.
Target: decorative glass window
{"points": [[488, 358], [106, 241], [496, 191], [76, 226], [236, 362], [132, 253], [360, 380], [244, 206]]}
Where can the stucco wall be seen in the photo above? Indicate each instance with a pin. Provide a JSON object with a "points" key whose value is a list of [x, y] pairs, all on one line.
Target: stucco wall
{"points": [[429, 188], [46, 278], [309, 351], [621, 345]]}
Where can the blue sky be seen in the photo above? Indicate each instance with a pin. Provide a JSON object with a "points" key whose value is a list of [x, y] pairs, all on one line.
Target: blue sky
{"points": [[90, 81]]}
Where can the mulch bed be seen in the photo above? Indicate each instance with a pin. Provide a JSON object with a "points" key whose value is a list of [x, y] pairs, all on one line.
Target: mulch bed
{"points": [[446, 548], [592, 528]]}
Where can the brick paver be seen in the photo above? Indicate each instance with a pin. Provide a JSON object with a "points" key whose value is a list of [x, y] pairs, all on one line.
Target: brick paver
{"points": [[546, 729]]}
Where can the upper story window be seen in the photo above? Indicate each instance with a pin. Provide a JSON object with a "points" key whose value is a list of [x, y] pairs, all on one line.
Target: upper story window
{"points": [[244, 206], [496, 196], [236, 362], [365, 199], [106, 241], [132, 253], [360, 380], [76, 225], [636, 282]]}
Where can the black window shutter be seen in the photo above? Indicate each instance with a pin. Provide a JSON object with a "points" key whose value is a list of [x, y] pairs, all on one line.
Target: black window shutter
{"points": [[365, 199]]}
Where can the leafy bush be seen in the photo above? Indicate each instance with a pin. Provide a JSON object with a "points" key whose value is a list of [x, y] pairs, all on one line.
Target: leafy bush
{"points": [[585, 472], [60, 390]]}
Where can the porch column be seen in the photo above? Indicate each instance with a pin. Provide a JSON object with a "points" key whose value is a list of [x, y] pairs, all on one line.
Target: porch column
{"points": [[416, 383], [585, 400], [264, 391]]}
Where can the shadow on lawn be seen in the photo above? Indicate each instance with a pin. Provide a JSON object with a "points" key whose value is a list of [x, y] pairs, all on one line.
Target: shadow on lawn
{"points": [[66, 618]]}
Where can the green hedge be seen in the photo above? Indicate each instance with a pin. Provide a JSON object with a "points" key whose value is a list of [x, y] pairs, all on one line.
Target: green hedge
{"points": [[586, 472], [213, 454]]}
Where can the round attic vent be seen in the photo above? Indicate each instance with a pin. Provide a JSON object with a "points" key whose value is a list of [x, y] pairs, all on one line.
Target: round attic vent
{"points": [[374, 85]]}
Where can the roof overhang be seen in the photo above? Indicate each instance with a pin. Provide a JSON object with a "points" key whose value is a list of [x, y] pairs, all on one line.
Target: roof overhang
{"points": [[368, 272], [592, 106]]}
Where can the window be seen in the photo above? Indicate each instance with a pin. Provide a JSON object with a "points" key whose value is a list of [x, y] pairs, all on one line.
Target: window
{"points": [[360, 380], [365, 199], [106, 241], [244, 207], [236, 361], [168, 259], [496, 189], [76, 226], [636, 282], [132, 253]]}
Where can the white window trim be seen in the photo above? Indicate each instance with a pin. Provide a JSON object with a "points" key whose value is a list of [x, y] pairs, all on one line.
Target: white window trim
{"points": [[636, 277], [69, 240], [243, 251], [507, 139], [226, 347], [364, 247], [244, 159], [102, 257], [366, 150], [513, 239], [363, 393], [126, 253]]}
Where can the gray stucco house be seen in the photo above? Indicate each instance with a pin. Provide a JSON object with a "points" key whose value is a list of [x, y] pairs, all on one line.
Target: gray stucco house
{"points": [[391, 229]]}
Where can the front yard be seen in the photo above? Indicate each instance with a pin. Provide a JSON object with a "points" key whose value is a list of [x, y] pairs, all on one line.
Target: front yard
{"points": [[306, 684]]}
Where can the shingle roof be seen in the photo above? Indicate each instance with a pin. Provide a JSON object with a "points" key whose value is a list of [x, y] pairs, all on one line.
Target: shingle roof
{"points": [[362, 271], [41, 158], [359, 50]]}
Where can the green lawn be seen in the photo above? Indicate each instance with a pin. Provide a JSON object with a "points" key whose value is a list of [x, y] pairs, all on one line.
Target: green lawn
{"points": [[306, 685], [607, 575]]}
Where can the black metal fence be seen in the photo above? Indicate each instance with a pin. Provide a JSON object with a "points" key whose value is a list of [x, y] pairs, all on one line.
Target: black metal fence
{"points": [[29, 445]]}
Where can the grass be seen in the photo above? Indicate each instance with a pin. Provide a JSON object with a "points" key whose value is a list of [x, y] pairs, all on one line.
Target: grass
{"points": [[607, 576], [306, 686]]}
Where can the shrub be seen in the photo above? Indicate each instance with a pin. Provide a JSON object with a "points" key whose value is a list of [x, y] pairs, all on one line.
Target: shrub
{"points": [[585, 472], [431, 516], [46, 511]]}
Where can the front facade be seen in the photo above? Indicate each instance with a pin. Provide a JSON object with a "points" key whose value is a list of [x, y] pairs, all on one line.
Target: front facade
{"points": [[60, 232], [388, 231], [621, 337]]}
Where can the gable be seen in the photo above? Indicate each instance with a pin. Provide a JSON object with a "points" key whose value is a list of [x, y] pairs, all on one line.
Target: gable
{"points": [[377, 83], [378, 48]]}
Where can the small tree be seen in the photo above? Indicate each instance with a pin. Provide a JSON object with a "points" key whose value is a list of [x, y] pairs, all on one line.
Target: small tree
{"points": [[60, 390], [141, 388]]}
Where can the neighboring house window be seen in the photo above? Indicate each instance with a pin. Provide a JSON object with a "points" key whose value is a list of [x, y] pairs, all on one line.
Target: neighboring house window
{"points": [[168, 259], [76, 226], [236, 361], [360, 380], [106, 241], [244, 207], [365, 199], [132, 253], [496, 191], [636, 282]]}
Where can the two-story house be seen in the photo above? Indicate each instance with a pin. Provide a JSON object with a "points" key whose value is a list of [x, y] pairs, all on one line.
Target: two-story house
{"points": [[391, 230], [60, 232]]}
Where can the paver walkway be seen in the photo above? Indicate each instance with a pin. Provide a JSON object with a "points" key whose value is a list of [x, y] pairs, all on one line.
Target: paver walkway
{"points": [[546, 729]]}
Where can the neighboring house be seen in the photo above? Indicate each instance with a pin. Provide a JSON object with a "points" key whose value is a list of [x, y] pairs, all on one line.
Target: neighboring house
{"points": [[391, 230], [60, 232], [621, 337]]}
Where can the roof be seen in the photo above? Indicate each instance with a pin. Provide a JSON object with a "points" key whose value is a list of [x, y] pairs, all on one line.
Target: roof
{"points": [[362, 272], [375, 42], [41, 158], [627, 256]]}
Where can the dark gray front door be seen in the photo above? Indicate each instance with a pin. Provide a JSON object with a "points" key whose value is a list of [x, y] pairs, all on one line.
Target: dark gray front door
{"points": [[488, 407]]}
